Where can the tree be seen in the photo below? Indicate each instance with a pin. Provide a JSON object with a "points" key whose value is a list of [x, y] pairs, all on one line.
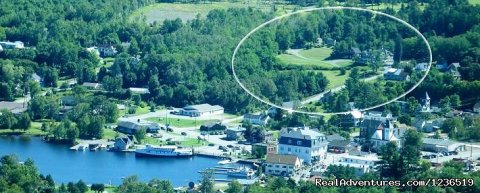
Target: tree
{"points": [[234, 187], [7, 119], [97, 187], [140, 134], [206, 182], [24, 121], [112, 84], [133, 49]]}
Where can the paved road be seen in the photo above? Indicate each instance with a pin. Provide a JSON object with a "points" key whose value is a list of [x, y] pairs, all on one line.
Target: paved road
{"points": [[317, 97]]}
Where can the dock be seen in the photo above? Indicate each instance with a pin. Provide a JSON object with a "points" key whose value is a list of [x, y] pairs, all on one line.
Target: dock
{"points": [[92, 145]]}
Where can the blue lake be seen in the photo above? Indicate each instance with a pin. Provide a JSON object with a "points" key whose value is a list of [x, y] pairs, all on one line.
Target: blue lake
{"points": [[66, 165]]}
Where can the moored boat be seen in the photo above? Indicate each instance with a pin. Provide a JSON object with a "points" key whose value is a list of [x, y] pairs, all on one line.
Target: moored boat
{"points": [[163, 151]]}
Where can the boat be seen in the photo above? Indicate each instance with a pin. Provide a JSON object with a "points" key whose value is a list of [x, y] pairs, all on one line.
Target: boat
{"points": [[242, 172], [163, 151]]}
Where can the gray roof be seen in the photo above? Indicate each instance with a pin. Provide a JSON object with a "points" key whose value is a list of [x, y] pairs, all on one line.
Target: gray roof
{"points": [[90, 84], [13, 107], [301, 133], [334, 137], [281, 159], [339, 143], [203, 107], [439, 142], [252, 116], [236, 129]]}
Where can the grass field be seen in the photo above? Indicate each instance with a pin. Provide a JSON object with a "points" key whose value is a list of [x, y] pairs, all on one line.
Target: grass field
{"points": [[314, 56], [474, 2], [162, 11], [33, 130], [335, 78], [177, 122]]}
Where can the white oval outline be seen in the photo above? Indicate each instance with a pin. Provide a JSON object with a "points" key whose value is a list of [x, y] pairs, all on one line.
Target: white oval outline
{"points": [[332, 8]]}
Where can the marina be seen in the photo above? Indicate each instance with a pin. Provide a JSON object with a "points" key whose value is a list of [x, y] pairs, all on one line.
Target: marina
{"points": [[66, 165]]}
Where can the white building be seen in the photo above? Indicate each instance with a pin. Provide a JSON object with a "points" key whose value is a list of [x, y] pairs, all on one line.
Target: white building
{"points": [[386, 134], [12, 45], [309, 145], [282, 165], [136, 90], [361, 164], [256, 119], [201, 110], [426, 103]]}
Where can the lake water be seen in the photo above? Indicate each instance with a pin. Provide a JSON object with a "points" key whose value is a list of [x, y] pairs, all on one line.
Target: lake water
{"points": [[106, 167]]}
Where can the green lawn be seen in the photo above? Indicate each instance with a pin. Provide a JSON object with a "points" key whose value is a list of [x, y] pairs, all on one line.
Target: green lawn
{"points": [[190, 142], [33, 130], [185, 11], [474, 2], [177, 122], [314, 56], [109, 134], [335, 78]]}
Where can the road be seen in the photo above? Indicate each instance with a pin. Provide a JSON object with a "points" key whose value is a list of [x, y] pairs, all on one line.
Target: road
{"points": [[317, 97]]}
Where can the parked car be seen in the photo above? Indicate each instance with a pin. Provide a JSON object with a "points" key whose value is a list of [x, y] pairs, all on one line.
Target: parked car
{"points": [[221, 147], [170, 108], [230, 146], [169, 129], [184, 133], [211, 144]]}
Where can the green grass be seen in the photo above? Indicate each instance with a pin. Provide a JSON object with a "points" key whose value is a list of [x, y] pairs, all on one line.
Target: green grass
{"points": [[314, 56], [190, 142], [177, 122], [335, 78], [185, 11], [109, 134], [107, 189], [474, 2], [34, 130]]}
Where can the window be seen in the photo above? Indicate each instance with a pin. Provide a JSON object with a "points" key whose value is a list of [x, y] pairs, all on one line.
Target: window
{"points": [[306, 151], [281, 148], [289, 141], [299, 142], [289, 149], [284, 166]]}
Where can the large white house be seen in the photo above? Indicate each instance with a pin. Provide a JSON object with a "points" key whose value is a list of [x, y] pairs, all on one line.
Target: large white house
{"points": [[309, 145], [361, 164], [201, 110], [282, 165], [386, 133]]}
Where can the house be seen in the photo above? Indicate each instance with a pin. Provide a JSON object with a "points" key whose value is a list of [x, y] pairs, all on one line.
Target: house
{"points": [[13, 107], [263, 149], [354, 52], [330, 42], [131, 127], [386, 133], [441, 145], [282, 165], [135, 90], [107, 51], [256, 119], [308, 144], [421, 67], [395, 75], [371, 121], [442, 67], [201, 110], [453, 70], [476, 107], [123, 143], [428, 125], [93, 50], [12, 45], [92, 85], [213, 127], [339, 146], [36, 78], [68, 101], [234, 133], [351, 119], [361, 164]]}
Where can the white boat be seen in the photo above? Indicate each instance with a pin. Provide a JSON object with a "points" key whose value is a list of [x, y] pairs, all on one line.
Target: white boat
{"points": [[242, 172], [227, 161], [163, 151]]}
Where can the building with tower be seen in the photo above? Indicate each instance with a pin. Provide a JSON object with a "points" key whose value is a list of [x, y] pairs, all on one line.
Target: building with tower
{"points": [[426, 103]]}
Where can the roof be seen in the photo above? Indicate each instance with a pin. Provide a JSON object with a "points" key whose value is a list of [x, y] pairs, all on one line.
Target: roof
{"points": [[335, 137], [203, 107], [301, 133], [36, 77], [139, 90], [339, 143], [252, 116], [367, 157], [13, 107], [281, 159], [439, 142], [90, 84], [236, 129], [356, 50]]}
